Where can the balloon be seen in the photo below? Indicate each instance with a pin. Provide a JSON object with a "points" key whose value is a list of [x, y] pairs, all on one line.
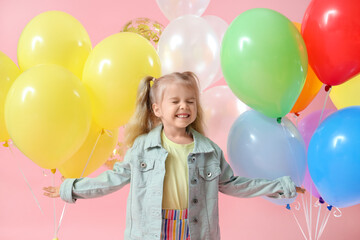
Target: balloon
{"points": [[221, 108], [149, 29], [189, 43], [176, 8], [98, 142], [307, 127], [112, 74], [54, 37], [331, 32], [311, 88], [333, 158], [48, 114], [264, 61], [220, 26], [346, 94], [259, 147], [8, 73], [119, 151]]}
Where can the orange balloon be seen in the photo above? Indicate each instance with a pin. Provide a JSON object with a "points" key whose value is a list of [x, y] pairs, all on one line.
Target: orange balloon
{"points": [[311, 87]]}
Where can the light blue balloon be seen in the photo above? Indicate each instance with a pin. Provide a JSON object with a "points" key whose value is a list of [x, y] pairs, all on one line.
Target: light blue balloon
{"points": [[260, 147], [334, 158]]}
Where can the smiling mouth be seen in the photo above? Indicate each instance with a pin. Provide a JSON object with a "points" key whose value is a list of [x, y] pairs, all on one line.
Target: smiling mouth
{"points": [[182, 115]]}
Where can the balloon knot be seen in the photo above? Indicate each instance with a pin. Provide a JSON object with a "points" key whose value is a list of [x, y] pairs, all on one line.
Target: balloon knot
{"points": [[288, 206], [53, 170], [297, 114], [327, 88], [6, 144], [321, 200], [279, 119], [329, 207]]}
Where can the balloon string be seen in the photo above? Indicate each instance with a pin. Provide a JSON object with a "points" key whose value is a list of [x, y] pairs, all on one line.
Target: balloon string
{"points": [[92, 151], [326, 98], [339, 214], [317, 222], [297, 221], [25, 179], [82, 174], [61, 217], [323, 225], [306, 212], [55, 229]]}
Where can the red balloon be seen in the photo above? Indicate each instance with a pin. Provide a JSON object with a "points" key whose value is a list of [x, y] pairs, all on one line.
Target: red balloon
{"points": [[331, 31]]}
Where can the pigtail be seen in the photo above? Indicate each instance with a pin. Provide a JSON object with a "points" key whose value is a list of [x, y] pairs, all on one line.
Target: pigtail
{"points": [[143, 119]]}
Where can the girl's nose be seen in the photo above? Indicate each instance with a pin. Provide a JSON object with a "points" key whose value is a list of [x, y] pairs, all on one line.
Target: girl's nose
{"points": [[183, 106]]}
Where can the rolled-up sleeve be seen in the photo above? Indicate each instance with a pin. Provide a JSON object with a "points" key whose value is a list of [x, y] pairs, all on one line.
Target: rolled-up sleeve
{"points": [[106, 183], [229, 184]]}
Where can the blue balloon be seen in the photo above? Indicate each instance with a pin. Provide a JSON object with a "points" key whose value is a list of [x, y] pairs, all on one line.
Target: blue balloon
{"points": [[259, 147], [334, 158]]}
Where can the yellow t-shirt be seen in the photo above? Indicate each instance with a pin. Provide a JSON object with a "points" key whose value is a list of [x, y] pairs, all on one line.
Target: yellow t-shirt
{"points": [[176, 183]]}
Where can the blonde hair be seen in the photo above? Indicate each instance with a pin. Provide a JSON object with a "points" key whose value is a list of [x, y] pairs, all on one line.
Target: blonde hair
{"points": [[144, 120]]}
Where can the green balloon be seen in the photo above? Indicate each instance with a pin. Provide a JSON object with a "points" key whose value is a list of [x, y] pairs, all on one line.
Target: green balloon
{"points": [[264, 61]]}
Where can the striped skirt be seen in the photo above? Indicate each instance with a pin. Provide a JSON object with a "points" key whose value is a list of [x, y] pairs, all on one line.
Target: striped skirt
{"points": [[175, 225]]}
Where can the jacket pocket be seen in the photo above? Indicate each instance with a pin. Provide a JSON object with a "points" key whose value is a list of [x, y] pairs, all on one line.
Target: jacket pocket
{"points": [[143, 171], [209, 173]]}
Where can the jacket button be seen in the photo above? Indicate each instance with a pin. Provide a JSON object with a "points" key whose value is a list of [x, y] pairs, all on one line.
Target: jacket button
{"points": [[195, 220], [195, 201], [143, 165], [193, 159], [209, 174], [194, 181]]}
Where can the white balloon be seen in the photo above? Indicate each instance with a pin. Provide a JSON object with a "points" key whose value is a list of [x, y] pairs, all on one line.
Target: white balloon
{"points": [[175, 8], [220, 27], [189, 43]]}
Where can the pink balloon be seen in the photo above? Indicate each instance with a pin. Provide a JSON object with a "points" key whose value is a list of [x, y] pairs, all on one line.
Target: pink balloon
{"points": [[221, 108], [307, 127]]}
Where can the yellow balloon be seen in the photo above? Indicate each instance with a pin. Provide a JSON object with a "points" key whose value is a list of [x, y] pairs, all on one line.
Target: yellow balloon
{"points": [[48, 114], [8, 73], [98, 141], [54, 37], [112, 74], [346, 94]]}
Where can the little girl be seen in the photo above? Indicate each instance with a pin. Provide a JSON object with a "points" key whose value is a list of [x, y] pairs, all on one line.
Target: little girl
{"points": [[174, 171]]}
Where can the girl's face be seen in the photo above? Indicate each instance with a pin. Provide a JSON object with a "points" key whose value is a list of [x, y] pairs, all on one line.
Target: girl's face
{"points": [[177, 108]]}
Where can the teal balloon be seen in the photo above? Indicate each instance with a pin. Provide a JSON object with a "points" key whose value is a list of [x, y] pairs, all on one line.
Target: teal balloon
{"points": [[264, 61], [334, 158], [260, 147]]}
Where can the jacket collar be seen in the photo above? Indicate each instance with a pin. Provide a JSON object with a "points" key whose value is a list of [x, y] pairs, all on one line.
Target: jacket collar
{"points": [[202, 144]]}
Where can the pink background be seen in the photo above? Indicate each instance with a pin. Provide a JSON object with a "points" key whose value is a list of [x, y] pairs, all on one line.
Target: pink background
{"points": [[104, 218]]}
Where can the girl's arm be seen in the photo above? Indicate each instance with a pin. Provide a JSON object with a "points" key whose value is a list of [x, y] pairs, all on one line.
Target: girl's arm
{"points": [[282, 187], [106, 183]]}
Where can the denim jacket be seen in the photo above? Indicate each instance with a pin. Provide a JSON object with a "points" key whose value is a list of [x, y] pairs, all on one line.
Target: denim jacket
{"points": [[144, 168]]}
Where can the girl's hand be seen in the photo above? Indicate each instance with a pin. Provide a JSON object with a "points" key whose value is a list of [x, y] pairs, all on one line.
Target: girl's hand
{"points": [[52, 192], [300, 190]]}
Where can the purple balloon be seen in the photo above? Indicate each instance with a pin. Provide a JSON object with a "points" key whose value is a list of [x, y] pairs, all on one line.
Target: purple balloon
{"points": [[307, 127]]}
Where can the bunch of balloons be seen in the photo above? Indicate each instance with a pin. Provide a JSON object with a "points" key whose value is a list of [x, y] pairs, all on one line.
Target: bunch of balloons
{"points": [[264, 62], [64, 106]]}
